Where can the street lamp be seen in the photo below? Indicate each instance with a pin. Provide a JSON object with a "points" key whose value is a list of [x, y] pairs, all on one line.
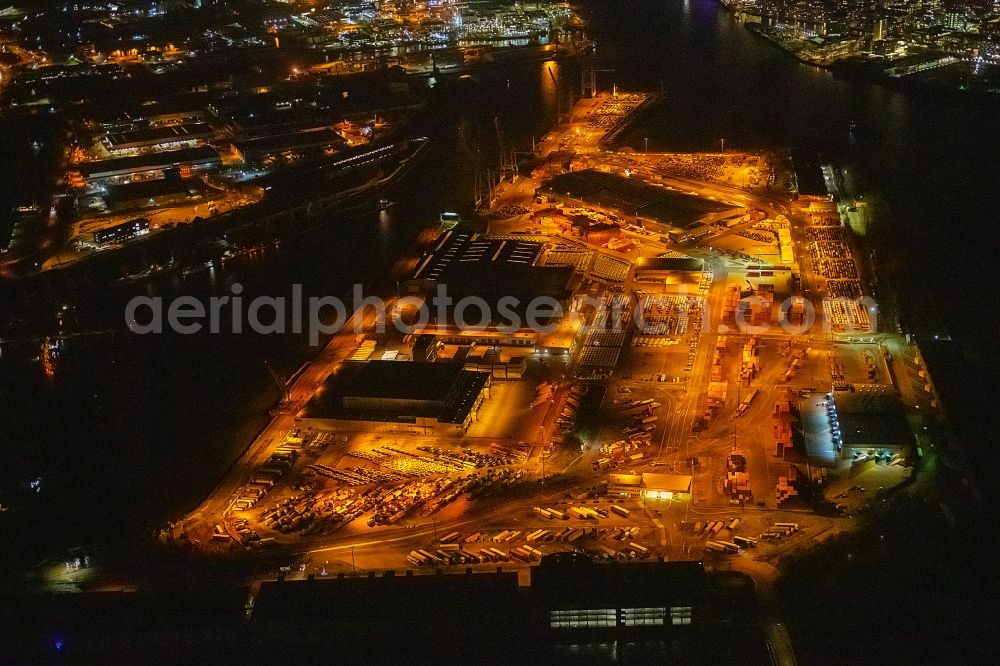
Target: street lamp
{"points": [[722, 146], [646, 140]]}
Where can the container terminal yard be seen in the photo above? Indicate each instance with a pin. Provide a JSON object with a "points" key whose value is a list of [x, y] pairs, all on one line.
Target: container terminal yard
{"points": [[666, 415]]}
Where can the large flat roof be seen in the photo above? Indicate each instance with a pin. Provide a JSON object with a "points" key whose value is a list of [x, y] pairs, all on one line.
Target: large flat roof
{"points": [[155, 135], [191, 104], [565, 582], [674, 483], [872, 417], [353, 599], [808, 173], [445, 391], [633, 197], [151, 162], [312, 138], [470, 264], [400, 379], [681, 264], [152, 188], [468, 248]]}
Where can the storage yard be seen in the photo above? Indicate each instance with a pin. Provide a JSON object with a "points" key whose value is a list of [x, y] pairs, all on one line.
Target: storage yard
{"points": [[677, 412]]}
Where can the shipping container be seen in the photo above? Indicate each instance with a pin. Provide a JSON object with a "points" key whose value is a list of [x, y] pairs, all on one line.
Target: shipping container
{"points": [[499, 555], [522, 555]]}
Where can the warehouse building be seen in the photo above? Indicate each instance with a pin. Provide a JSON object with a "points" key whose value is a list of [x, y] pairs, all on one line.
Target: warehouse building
{"points": [[633, 198], [149, 166], [871, 418], [867, 420], [120, 233], [809, 180], [158, 136], [474, 265], [153, 194], [646, 612], [664, 274], [400, 396], [308, 141], [391, 616], [650, 486], [644, 597], [664, 611]]}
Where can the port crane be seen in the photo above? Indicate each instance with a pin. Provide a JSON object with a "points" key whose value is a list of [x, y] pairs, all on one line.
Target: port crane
{"points": [[508, 164], [280, 382], [588, 80], [561, 115]]}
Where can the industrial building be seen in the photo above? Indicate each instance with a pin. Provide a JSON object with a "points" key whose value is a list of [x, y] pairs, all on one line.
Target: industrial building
{"points": [[157, 136], [170, 111], [651, 486], [809, 180], [382, 614], [571, 601], [150, 165], [153, 193], [845, 424], [120, 233], [668, 271], [493, 271], [255, 150], [404, 396], [663, 611], [470, 265], [571, 594], [871, 417], [632, 198]]}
